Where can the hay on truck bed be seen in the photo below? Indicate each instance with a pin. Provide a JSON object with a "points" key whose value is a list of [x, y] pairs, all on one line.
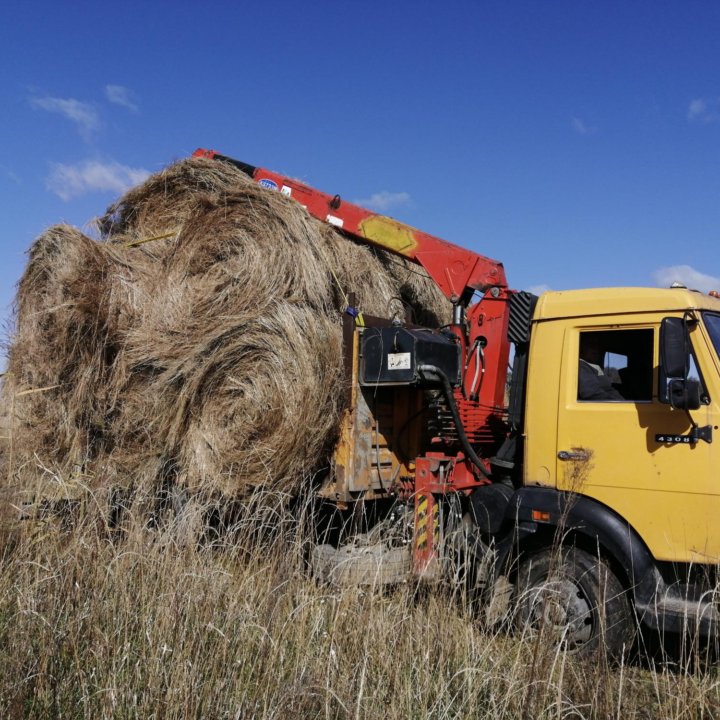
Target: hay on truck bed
{"points": [[197, 344]]}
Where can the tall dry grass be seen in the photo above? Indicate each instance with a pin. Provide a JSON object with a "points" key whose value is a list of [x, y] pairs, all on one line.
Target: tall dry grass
{"points": [[100, 622]]}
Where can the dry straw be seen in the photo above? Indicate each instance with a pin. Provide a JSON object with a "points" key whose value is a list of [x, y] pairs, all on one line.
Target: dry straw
{"points": [[197, 344]]}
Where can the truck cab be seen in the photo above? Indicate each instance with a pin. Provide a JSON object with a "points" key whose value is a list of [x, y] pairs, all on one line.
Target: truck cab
{"points": [[633, 472]]}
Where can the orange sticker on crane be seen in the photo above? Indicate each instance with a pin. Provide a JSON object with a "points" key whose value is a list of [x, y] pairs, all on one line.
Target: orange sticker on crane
{"points": [[389, 233]]}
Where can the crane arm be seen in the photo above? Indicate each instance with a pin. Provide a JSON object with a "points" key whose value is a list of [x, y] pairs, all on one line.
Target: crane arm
{"points": [[457, 271]]}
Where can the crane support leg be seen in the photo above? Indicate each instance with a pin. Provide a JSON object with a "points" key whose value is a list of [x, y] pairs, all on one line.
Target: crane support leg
{"points": [[427, 523]]}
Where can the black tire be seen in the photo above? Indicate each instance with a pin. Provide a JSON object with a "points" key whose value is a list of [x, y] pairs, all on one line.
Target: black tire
{"points": [[576, 601], [371, 566]]}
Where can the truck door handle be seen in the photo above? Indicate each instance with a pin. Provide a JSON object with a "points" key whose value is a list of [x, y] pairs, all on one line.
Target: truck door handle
{"points": [[577, 455]]}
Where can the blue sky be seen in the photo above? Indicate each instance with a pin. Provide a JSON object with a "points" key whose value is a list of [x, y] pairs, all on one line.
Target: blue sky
{"points": [[576, 141]]}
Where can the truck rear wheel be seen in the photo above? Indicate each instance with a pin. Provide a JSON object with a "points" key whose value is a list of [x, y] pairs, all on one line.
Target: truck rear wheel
{"points": [[574, 600]]}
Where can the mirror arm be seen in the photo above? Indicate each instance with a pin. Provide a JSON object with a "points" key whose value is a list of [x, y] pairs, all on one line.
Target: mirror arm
{"points": [[700, 433]]}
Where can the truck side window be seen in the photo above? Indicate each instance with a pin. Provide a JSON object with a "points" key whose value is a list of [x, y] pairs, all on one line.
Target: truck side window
{"points": [[615, 365], [694, 374], [712, 323]]}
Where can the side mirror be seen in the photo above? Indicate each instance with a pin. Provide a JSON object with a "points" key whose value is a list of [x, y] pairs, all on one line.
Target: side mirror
{"points": [[684, 394], [673, 348], [675, 388]]}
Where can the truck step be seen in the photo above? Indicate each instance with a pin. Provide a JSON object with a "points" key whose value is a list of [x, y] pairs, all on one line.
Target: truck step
{"points": [[678, 612]]}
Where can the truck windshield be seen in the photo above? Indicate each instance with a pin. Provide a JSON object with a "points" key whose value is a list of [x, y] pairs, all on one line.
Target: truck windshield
{"points": [[712, 322]]}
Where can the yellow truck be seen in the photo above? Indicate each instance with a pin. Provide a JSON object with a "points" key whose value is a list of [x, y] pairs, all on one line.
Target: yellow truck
{"points": [[635, 479]]}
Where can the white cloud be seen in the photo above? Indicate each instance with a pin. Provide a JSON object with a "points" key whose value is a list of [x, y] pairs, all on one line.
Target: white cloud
{"points": [[384, 201], [581, 127], [686, 275], [10, 174], [82, 114], [120, 95], [696, 109], [70, 181], [538, 289], [704, 110]]}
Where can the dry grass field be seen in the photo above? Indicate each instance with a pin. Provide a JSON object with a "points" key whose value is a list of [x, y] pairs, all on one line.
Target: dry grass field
{"points": [[149, 623]]}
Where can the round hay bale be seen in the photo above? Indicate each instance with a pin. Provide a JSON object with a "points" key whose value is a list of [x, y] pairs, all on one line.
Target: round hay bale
{"points": [[166, 199], [58, 359]]}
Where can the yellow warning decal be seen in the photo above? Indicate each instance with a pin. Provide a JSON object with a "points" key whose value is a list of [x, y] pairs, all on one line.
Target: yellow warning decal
{"points": [[422, 534], [389, 233]]}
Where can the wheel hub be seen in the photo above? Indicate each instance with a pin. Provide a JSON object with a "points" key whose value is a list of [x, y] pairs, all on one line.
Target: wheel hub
{"points": [[563, 608]]}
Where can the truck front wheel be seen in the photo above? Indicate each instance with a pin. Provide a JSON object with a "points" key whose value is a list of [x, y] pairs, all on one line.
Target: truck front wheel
{"points": [[574, 600]]}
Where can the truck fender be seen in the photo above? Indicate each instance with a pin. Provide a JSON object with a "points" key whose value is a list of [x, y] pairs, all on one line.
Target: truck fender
{"points": [[532, 509], [488, 507]]}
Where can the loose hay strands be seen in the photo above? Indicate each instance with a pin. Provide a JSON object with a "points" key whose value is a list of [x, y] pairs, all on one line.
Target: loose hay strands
{"points": [[209, 358], [31, 391], [143, 241]]}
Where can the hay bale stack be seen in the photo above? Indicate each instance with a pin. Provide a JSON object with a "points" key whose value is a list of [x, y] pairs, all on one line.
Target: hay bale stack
{"points": [[209, 357]]}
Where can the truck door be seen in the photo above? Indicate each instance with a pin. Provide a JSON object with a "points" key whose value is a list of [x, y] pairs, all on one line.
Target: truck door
{"points": [[618, 444]]}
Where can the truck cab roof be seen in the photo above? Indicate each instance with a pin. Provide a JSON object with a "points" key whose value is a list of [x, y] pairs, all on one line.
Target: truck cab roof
{"points": [[618, 300]]}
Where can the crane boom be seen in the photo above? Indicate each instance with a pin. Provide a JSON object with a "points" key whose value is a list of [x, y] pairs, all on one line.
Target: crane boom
{"points": [[458, 272]]}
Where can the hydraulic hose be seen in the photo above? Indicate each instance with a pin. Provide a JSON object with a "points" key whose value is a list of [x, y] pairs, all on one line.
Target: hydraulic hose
{"points": [[464, 442]]}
